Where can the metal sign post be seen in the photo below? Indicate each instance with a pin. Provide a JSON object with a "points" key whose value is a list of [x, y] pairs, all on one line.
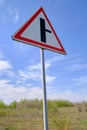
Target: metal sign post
{"points": [[45, 113]]}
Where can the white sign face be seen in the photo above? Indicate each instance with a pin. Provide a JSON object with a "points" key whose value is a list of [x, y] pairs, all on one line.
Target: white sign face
{"points": [[38, 31]]}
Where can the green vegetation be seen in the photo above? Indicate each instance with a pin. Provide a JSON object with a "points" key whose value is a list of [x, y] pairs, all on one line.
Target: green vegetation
{"points": [[28, 115], [64, 103], [2, 104]]}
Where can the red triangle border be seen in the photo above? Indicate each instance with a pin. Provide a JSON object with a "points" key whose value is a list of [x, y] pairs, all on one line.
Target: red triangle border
{"points": [[17, 36]]}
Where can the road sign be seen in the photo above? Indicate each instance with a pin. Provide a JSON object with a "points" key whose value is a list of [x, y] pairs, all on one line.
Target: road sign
{"points": [[38, 31]]}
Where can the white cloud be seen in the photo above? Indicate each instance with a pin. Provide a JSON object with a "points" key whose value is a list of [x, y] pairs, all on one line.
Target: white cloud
{"points": [[55, 59], [50, 78], [75, 63], [20, 89], [47, 65], [4, 65], [73, 96], [6, 69], [31, 72], [35, 92], [34, 75], [35, 67], [9, 92], [58, 58], [81, 81], [34, 72], [38, 66], [76, 66]]}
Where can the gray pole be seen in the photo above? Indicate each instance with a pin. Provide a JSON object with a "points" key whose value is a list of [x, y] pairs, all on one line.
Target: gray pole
{"points": [[45, 113]]}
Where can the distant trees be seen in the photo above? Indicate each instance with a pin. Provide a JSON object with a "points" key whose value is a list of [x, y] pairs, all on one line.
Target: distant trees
{"points": [[2, 104], [35, 103]]}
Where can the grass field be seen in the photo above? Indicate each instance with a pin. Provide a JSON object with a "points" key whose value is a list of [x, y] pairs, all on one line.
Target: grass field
{"points": [[28, 115]]}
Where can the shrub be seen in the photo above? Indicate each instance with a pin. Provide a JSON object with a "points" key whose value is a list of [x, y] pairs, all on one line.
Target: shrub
{"points": [[35, 103], [61, 122], [13, 104], [10, 128], [64, 103], [2, 113], [2, 104]]}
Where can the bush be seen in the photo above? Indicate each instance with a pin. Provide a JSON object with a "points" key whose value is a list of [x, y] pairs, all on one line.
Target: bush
{"points": [[10, 128], [2, 113], [13, 104], [35, 103], [61, 122], [64, 103], [2, 104]]}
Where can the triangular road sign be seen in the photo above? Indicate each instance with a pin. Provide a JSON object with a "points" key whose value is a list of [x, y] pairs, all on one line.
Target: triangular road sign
{"points": [[38, 31]]}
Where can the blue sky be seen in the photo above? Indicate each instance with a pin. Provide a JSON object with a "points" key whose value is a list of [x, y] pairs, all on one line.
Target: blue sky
{"points": [[20, 64]]}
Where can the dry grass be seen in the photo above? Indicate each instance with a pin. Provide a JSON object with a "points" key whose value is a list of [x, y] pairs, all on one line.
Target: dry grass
{"points": [[31, 118]]}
